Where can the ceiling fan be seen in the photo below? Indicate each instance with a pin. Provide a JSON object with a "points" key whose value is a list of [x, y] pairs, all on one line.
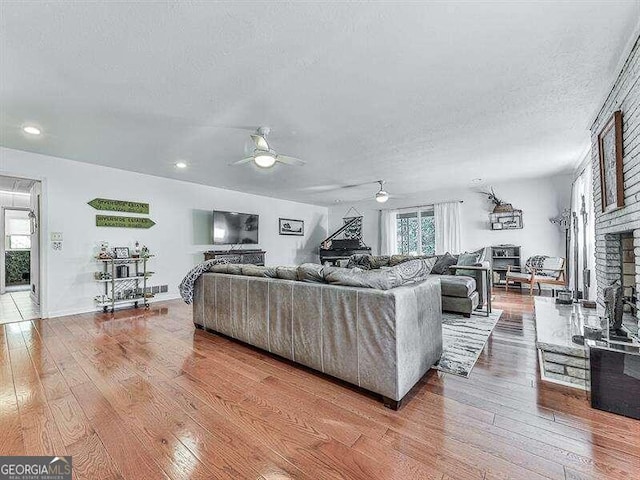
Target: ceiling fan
{"points": [[381, 195], [263, 155]]}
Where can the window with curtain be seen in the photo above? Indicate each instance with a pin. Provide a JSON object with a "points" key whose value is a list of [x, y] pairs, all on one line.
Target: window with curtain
{"points": [[416, 232]]}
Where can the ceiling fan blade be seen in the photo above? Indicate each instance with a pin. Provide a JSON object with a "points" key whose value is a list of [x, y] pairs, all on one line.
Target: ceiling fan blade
{"points": [[243, 161], [261, 142], [290, 160]]}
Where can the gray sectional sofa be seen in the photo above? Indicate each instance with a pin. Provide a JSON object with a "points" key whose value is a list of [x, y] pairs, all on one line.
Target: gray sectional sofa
{"points": [[461, 292], [381, 340]]}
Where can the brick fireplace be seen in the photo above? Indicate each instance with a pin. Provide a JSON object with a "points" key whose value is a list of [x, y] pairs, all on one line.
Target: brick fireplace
{"points": [[616, 260], [617, 246]]}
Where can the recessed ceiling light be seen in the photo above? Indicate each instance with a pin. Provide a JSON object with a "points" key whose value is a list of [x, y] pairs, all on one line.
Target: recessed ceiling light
{"points": [[31, 130], [476, 180], [181, 165]]}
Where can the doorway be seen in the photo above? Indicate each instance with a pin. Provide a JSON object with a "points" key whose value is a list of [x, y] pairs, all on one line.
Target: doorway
{"points": [[19, 249]]}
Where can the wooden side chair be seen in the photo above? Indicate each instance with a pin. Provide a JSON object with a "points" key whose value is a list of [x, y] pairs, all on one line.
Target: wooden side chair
{"points": [[538, 270]]}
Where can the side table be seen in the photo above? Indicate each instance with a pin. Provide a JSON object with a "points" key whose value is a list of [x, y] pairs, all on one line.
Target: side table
{"points": [[486, 271]]}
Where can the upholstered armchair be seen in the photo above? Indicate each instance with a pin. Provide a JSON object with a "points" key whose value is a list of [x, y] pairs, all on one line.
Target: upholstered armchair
{"points": [[538, 270]]}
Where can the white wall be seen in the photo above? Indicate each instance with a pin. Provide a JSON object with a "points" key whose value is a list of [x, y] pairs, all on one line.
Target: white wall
{"points": [[539, 199], [181, 234]]}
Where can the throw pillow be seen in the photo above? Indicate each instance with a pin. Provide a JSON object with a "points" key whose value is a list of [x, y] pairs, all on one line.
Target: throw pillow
{"points": [[443, 263], [360, 260], [467, 259], [414, 270], [311, 273], [379, 261], [398, 259]]}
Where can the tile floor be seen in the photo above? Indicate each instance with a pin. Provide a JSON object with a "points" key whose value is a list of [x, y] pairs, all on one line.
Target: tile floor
{"points": [[17, 306]]}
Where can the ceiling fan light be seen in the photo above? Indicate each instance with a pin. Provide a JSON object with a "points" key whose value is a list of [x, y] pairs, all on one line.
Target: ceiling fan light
{"points": [[382, 196], [264, 160]]}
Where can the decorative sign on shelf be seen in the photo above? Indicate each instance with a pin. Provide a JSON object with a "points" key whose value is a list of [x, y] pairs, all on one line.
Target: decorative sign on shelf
{"points": [[123, 222], [119, 206]]}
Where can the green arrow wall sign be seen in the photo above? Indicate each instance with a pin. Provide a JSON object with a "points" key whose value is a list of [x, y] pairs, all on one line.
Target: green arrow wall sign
{"points": [[123, 222], [119, 206]]}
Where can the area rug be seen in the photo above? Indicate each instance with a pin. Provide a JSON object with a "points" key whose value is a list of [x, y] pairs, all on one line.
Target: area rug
{"points": [[463, 340]]}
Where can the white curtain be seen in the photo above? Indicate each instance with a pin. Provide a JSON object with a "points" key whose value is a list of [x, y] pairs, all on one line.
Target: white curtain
{"points": [[388, 232], [447, 222], [583, 186]]}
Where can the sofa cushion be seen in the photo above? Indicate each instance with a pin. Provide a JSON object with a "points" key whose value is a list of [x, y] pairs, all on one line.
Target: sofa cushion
{"points": [[220, 268], [258, 271], [457, 285], [381, 279], [287, 273], [467, 259], [235, 269], [310, 273], [232, 268], [443, 263]]}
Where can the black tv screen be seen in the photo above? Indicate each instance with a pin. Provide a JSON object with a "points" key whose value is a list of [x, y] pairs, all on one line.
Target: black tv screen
{"points": [[233, 228]]}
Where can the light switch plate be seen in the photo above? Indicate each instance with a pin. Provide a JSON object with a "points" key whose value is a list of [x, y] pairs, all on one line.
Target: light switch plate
{"points": [[56, 236]]}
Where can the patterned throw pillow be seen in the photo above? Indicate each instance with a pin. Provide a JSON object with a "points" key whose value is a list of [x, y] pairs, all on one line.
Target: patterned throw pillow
{"points": [[414, 270]]}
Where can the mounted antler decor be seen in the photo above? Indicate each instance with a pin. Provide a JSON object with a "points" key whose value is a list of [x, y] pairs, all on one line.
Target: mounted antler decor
{"points": [[504, 216], [500, 206]]}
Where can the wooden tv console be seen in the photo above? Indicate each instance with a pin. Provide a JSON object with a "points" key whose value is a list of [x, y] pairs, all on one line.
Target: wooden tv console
{"points": [[254, 257]]}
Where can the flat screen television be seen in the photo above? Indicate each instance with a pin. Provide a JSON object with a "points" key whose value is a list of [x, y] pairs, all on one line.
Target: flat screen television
{"points": [[231, 228]]}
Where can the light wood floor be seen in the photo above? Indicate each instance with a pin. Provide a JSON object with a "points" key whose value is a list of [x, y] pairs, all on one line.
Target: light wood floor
{"points": [[142, 395]]}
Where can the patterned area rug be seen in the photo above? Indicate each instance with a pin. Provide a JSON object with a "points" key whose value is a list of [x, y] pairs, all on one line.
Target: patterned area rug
{"points": [[463, 340]]}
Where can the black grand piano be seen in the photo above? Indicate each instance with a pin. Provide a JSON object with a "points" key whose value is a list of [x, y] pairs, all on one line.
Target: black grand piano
{"points": [[344, 242]]}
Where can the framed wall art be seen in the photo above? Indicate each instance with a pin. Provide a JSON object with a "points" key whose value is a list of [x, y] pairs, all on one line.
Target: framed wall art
{"points": [[288, 226], [610, 155], [121, 252]]}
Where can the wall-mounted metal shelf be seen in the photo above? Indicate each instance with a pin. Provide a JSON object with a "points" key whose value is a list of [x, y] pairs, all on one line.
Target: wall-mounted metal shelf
{"points": [[506, 220]]}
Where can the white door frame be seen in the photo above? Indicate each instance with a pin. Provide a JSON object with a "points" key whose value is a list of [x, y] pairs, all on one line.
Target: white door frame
{"points": [[44, 233], [3, 213]]}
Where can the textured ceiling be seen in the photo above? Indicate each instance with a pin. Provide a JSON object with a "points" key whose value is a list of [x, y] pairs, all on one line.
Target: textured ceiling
{"points": [[424, 95]]}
